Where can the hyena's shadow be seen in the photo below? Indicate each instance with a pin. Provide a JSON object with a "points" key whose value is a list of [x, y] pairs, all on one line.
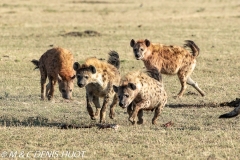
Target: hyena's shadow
{"points": [[10, 121]]}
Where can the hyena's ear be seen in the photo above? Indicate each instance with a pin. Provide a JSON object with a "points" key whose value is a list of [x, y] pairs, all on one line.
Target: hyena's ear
{"points": [[147, 42], [115, 88], [132, 43], [76, 66], [93, 69], [59, 78], [132, 86]]}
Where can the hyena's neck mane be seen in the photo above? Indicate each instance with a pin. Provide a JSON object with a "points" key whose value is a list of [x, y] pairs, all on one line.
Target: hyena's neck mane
{"points": [[150, 62], [153, 56], [105, 71]]}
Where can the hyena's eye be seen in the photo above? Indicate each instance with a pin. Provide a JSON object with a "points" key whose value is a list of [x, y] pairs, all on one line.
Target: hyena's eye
{"points": [[126, 95], [135, 49], [141, 49], [86, 77], [63, 90], [70, 90]]}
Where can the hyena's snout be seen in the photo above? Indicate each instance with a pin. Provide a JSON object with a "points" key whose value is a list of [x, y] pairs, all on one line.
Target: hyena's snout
{"points": [[80, 84], [137, 54], [66, 94], [122, 104], [66, 97]]}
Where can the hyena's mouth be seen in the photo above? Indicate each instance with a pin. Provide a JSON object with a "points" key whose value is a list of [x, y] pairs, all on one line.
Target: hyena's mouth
{"points": [[126, 105], [138, 57], [81, 85], [67, 97]]}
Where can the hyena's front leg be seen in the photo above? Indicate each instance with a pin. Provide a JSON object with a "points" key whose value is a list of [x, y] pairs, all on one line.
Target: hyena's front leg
{"points": [[134, 114], [157, 113], [136, 108], [130, 109], [112, 106], [89, 107], [97, 105], [52, 85], [103, 110], [48, 89], [140, 115]]}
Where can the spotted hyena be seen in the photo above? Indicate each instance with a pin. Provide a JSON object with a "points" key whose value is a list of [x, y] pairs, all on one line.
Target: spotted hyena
{"points": [[140, 91], [56, 64], [169, 60], [98, 78]]}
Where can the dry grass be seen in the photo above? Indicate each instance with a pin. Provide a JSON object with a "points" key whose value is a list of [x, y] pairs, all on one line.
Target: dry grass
{"points": [[29, 28]]}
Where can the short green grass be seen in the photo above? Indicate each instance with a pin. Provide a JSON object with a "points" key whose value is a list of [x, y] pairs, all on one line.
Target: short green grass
{"points": [[29, 125]]}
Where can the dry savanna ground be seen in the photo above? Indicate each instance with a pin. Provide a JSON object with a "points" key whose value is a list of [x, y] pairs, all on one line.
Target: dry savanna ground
{"points": [[29, 125]]}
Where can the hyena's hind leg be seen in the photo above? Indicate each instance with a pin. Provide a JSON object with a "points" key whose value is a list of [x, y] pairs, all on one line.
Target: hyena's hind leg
{"points": [[184, 77], [195, 85], [183, 82], [112, 106], [43, 82]]}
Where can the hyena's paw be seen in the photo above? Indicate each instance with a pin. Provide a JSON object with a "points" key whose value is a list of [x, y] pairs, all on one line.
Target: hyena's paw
{"points": [[131, 120], [50, 98], [93, 118], [154, 122], [97, 112], [140, 121], [111, 115], [102, 121]]}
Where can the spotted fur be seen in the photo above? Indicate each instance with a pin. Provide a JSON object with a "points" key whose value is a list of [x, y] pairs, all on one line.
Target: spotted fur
{"points": [[169, 60], [140, 91], [98, 77], [56, 64]]}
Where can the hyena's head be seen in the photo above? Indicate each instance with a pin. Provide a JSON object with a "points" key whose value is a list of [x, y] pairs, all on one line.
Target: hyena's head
{"points": [[126, 94], [140, 48], [85, 74], [66, 86]]}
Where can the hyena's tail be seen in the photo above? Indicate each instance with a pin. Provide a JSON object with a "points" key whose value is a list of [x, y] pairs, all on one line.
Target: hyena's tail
{"points": [[36, 63], [193, 47], [231, 114], [114, 59], [154, 73]]}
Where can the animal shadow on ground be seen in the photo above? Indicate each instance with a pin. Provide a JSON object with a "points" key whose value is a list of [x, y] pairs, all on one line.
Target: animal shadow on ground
{"points": [[8, 121], [44, 122], [233, 103]]}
